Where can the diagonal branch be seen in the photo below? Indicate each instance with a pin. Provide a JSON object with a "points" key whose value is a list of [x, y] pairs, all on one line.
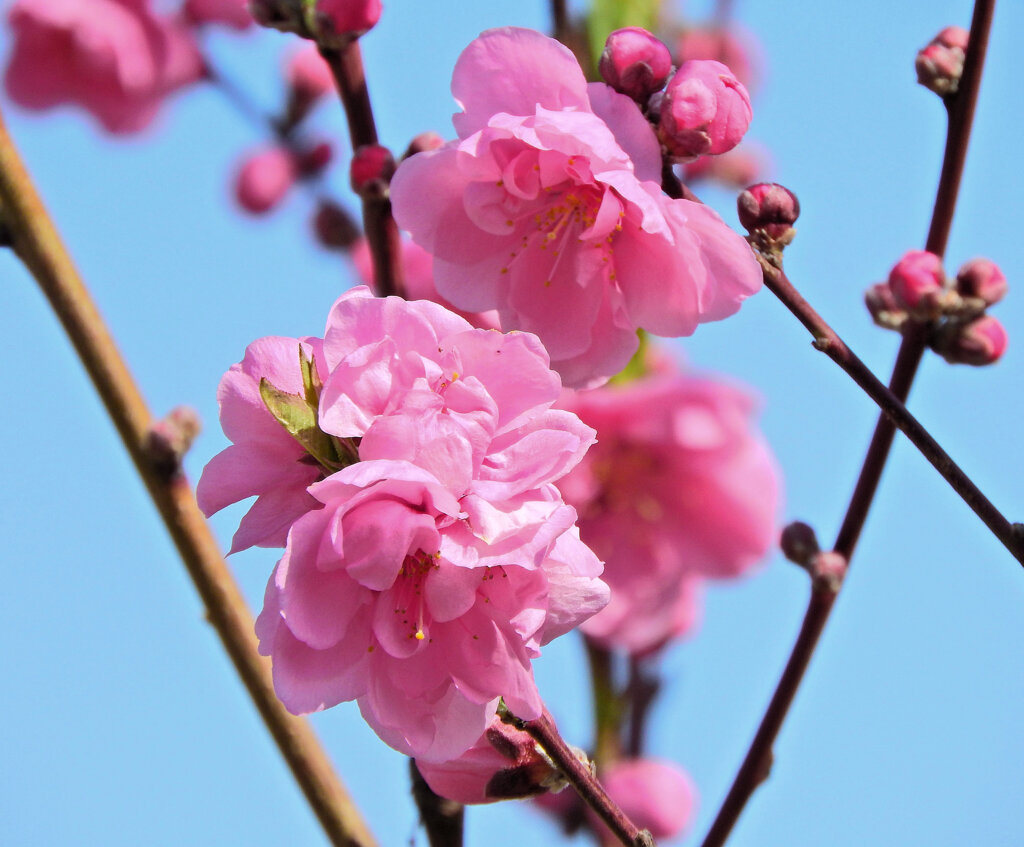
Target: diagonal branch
{"points": [[36, 242]]}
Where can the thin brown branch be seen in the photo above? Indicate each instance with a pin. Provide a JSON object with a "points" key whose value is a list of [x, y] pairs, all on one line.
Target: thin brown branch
{"points": [[38, 245], [960, 109], [382, 234], [581, 778]]}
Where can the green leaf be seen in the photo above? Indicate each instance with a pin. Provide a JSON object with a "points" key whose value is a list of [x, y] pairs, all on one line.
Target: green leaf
{"points": [[606, 16], [299, 417]]}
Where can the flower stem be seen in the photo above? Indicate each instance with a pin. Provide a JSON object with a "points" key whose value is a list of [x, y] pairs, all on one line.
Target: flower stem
{"points": [[581, 778], [960, 110], [382, 234], [36, 242]]}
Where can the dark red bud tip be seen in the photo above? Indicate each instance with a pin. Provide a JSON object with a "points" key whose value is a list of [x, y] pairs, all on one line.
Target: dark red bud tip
{"points": [[799, 543], [334, 227], [979, 342], [168, 439], [981, 278], [769, 207], [311, 162], [371, 170], [635, 63]]}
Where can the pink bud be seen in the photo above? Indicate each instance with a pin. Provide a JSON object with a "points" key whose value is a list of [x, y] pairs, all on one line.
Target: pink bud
{"points": [[231, 13], [371, 169], [308, 74], [503, 765], [737, 168], [731, 47], [980, 342], [705, 111], [348, 18], [423, 143], [264, 178], [770, 207], [334, 227], [635, 63], [917, 283], [981, 278], [940, 64]]}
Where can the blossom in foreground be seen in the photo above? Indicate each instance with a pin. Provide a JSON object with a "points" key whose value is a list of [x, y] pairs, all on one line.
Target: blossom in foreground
{"points": [[679, 488], [438, 556], [264, 460], [115, 58], [548, 208]]}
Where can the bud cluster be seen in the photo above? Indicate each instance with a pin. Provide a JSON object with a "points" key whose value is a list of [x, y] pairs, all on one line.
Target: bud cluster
{"points": [[917, 291], [701, 109]]}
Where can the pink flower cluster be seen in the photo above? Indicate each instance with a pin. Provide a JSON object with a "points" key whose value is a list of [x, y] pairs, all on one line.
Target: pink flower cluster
{"points": [[116, 58], [683, 492], [429, 555], [549, 209]]}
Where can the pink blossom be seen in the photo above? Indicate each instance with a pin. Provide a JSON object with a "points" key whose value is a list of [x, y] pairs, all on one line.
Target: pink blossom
{"points": [[548, 208], [504, 764], [419, 280], [264, 178], [684, 491], [654, 794], [436, 565], [115, 58], [264, 460], [705, 111], [230, 13]]}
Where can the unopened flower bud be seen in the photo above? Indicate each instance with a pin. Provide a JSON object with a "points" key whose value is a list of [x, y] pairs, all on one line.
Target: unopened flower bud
{"points": [[979, 342], [918, 283], [264, 179], [705, 111], [771, 208], [799, 543], [635, 63], [371, 170], [308, 75], [312, 161], [981, 279], [344, 20], [423, 143], [504, 764], [882, 305], [169, 439], [736, 168], [940, 64], [334, 227]]}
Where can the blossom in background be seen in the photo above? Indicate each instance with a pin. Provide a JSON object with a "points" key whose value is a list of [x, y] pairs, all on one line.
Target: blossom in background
{"points": [[229, 13], [549, 209], [418, 279], [437, 556], [115, 58], [684, 491]]}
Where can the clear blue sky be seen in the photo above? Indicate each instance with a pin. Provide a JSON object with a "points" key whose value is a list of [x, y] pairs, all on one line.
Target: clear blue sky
{"points": [[121, 721]]}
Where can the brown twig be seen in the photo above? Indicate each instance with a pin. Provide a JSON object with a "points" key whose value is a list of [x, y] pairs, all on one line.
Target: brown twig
{"points": [[960, 110], [582, 779], [37, 244], [442, 819], [382, 234]]}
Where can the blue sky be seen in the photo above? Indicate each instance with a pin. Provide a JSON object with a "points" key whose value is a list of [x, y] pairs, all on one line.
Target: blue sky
{"points": [[121, 722]]}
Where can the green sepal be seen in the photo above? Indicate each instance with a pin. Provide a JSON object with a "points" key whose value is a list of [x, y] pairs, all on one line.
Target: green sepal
{"points": [[299, 417]]}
